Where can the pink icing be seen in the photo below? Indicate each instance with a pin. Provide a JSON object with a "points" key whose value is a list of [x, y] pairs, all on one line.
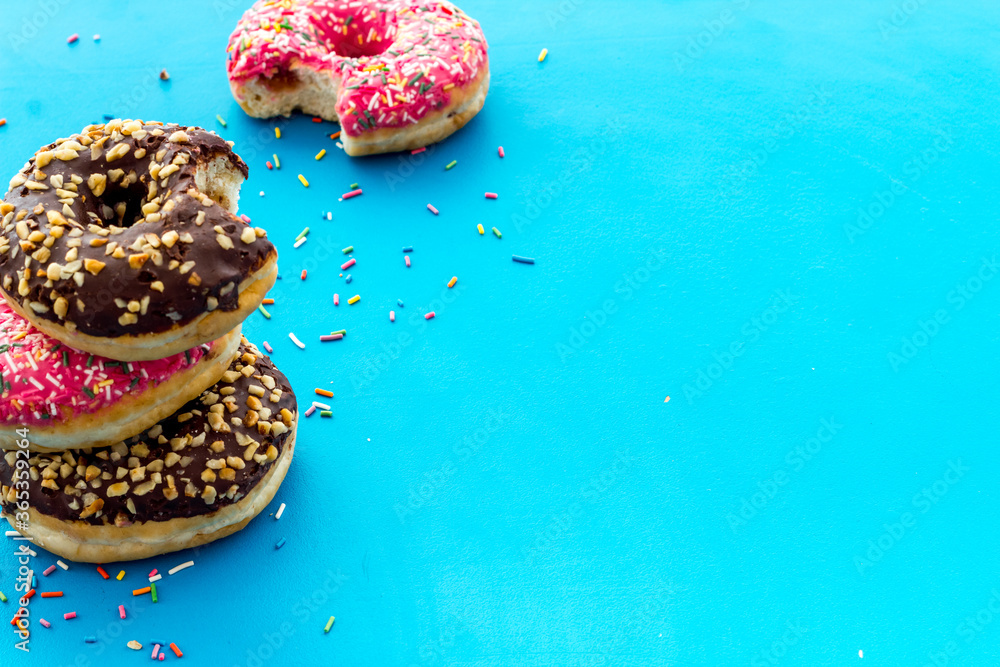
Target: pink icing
{"points": [[394, 62], [43, 378]]}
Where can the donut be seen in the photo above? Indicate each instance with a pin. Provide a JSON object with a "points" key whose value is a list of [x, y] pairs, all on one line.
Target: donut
{"points": [[121, 241], [396, 75], [66, 398], [196, 476]]}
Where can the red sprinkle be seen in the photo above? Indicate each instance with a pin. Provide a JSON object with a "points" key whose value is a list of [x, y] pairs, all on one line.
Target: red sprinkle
{"points": [[173, 647], [336, 299], [153, 573], [3, 121], [121, 608], [317, 120], [491, 195], [102, 572], [45, 623], [500, 151], [246, 218], [418, 150], [269, 165], [348, 264], [29, 594], [70, 615], [429, 316], [335, 135], [303, 274], [352, 193], [52, 594], [72, 38]]}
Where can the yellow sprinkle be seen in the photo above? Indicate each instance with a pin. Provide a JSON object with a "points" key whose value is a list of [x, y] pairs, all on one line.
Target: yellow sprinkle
{"points": [[105, 383], [481, 229], [19, 336], [354, 299], [277, 130], [454, 279], [448, 86], [319, 156], [303, 181], [120, 575], [541, 56]]}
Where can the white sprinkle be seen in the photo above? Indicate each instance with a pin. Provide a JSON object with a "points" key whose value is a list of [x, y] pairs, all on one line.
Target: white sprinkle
{"points": [[12, 533], [301, 241], [295, 340], [329, 215], [182, 566], [321, 406], [261, 193], [62, 565], [156, 577], [277, 515]]}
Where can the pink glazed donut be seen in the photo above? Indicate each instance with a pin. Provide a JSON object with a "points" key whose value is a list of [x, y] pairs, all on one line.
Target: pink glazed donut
{"points": [[396, 75], [58, 398]]}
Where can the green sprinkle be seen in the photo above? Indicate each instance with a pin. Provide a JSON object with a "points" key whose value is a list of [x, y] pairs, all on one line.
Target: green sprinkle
{"points": [[325, 413], [263, 311], [348, 21], [65, 356], [302, 234], [450, 165], [152, 589], [89, 393], [187, 355], [3, 598], [329, 624], [135, 381], [343, 332], [349, 249], [354, 186], [416, 78], [90, 361], [222, 121], [277, 162], [497, 232]]}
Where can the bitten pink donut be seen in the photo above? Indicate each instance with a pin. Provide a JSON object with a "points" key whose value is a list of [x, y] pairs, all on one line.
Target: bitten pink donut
{"points": [[61, 398], [396, 75]]}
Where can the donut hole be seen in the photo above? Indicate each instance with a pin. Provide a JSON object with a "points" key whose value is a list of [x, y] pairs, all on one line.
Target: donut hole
{"points": [[121, 204]]}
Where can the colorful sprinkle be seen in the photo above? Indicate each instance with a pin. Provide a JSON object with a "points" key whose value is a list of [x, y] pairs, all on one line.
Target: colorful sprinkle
{"points": [[45, 623], [348, 264], [141, 591], [121, 611], [481, 229], [222, 121], [500, 151], [301, 242], [72, 38], [155, 578], [263, 311], [303, 181], [63, 565], [451, 283], [281, 542], [121, 575], [182, 566], [269, 165], [450, 165], [335, 135], [407, 258], [497, 233], [101, 571], [3, 121], [491, 195], [277, 132], [304, 233], [323, 392], [541, 56], [303, 274], [392, 315], [329, 624], [277, 162], [49, 570], [3, 598], [354, 185], [267, 346], [325, 413], [523, 260], [418, 150], [354, 299], [352, 193], [336, 299], [297, 342], [177, 651], [430, 207], [348, 250], [319, 156], [429, 316], [277, 515], [70, 615], [52, 594], [310, 411], [152, 590]]}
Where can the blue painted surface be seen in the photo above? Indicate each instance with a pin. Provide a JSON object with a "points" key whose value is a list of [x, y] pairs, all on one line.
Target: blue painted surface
{"points": [[504, 485]]}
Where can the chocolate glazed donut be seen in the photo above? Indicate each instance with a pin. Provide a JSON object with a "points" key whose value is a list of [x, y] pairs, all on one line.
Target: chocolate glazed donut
{"points": [[122, 241], [197, 476]]}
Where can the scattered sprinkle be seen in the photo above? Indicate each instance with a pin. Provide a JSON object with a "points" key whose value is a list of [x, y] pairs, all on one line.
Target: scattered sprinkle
{"points": [[354, 185], [97, 38], [430, 207], [281, 542], [354, 299], [491, 195], [267, 346], [3, 598], [407, 258], [324, 392], [541, 56], [451, 283], [523, 260], [301, 242], [222, 121], [500, 151], [152, 588], [277, 515], [450, 165], [121, 611], [304, 274], [49, 570], [182, 566], [335, 135], [481, 229], [45, 623], [303, 181], [297, 342], [101, 571], [141, 591], [330, 337], [348, 264], [429, 316], [156, 577], [666, 400], [304, 233], [407, 248], [277, 132], [325, 413], [310, 411], [329, 624], [497, 233], [63, 565], [3, 121], [348, 250], [400, 303], [177, 651], [52, 594], [69, 615], [336, 299], [267, 302], [90, 639], [392, 315], [277, 162], [418, 150], [72, 38], [319, 156], [269, 165], [352, 193], [263, 311]]}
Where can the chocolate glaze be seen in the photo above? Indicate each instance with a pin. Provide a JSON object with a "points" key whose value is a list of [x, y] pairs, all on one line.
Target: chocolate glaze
{"points": [[133, 271], [179, 459]]}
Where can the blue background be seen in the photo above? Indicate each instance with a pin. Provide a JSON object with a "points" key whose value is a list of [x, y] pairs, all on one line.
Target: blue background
{"points": [[505, 485]]}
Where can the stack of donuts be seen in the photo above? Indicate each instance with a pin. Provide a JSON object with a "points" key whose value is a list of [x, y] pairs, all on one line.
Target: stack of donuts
{"points": [[134, 417]]}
